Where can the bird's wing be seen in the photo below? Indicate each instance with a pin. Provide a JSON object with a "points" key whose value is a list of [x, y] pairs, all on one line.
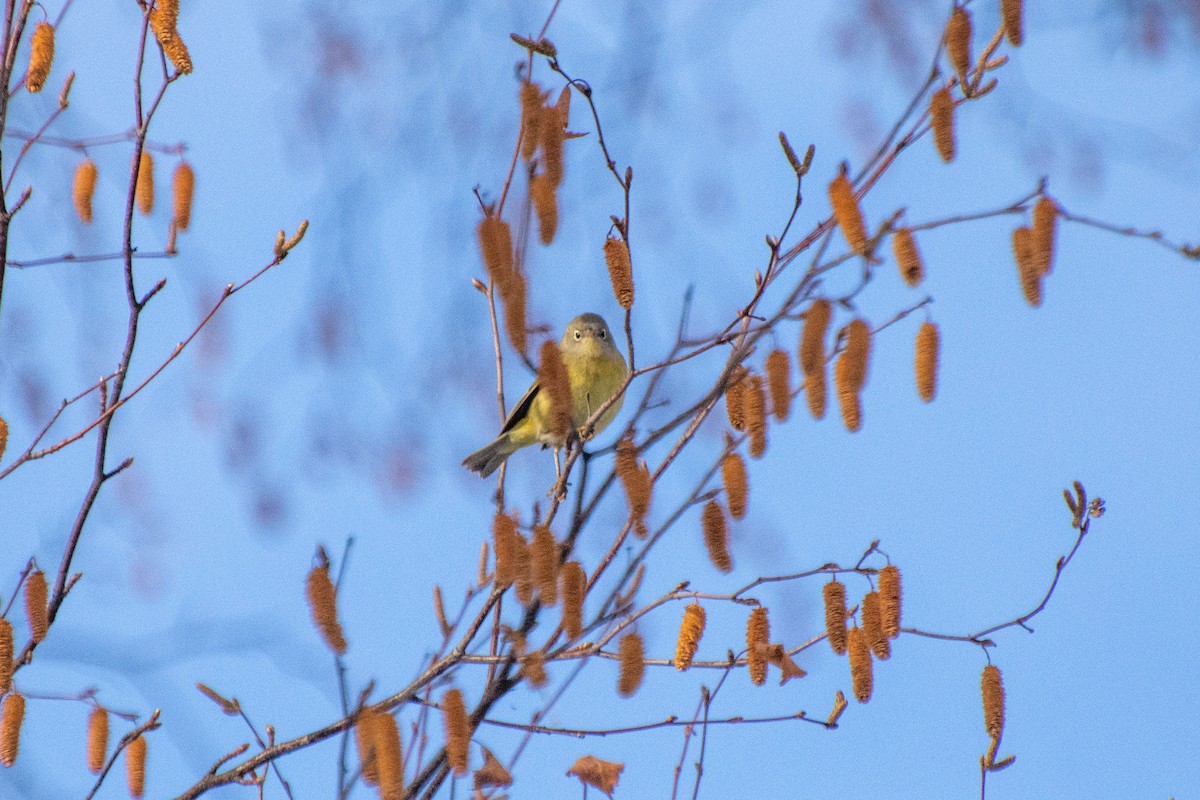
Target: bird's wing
{"points": [[521, 410]]}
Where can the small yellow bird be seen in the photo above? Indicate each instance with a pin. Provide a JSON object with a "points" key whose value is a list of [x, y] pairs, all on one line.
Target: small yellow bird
{"points": [[595, 370]]}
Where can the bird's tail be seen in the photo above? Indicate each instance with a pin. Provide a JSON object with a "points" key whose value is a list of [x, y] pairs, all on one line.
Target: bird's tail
{"points": [[488, 459]]}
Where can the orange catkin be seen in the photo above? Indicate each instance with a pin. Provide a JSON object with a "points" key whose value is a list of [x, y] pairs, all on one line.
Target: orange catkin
{"points": [[620, 270], [512, 292], [504, 543], [860, 663], [545, 203], [835, 615], [690, 631], [544, 552], [993, 701], [144, 191], [926, 360], [3, 436], [779, 382], [889, 600], [574, 586], [958, 42], [814, 390], [908, 258], [364, 742], [135, 766], [35, 605], [97, 740], [458, 731], [552, 131], [41, 56], [83, 188], [523, 580], [1045, 221], [164, 20], [733, 474], [12, 714], [851, 405], [1011, 11], [758, 636], [941, 119], [847, 213], [716, 536], [856, 353], [183, 186], [755, 407], [389, 756], [532, 99], [552, 376], [812, 337], [735, 405], [322, 602], [633, 664], [533, 669], [872, 625], [1027, 267], [6, 654], [635, 478], [495, 244]]}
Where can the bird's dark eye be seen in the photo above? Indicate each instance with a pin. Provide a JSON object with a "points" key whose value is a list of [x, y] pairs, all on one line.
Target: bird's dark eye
{"points": [[603, 334], [578, 336]]}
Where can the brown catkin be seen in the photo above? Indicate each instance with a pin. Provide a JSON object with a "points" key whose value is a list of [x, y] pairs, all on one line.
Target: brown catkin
{"points": [[552, 131], [779, 382], [1045, 221], [35, 605], [860, 663], [633, 664], [889, 600], [941, 119], [926, 360], [872, 624], [544, 555], [41, 56], [635, 478], [733, 474], [144, 192], [97, 740], [135, 766], [553, 379], [458, 731], [322, 602], [814, 390], [1027, 268], [523, 582], [716, 536], [183, 186], [531, 115], [908, 258], [83, 188], [755, 401], [512, 292], [850, 372], [3, 436], [545, 203], [12, 714], [364, 742], [735, 402], [533, 669], [690, 631], [812, 336], [495, 244], [835, 615], [958, 42], [758, 636], [6, 654], [504, 544], [574, 586], [620, 270], [851, 405], [993, 701], [847, 213], [389, 756], [1011, 11]]}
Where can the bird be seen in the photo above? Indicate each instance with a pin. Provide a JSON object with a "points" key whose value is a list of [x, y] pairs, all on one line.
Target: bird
{"points": [[596, 371]]}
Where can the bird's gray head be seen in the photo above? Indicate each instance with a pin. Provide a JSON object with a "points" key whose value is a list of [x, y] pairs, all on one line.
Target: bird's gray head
{"points": [[587, 330]]}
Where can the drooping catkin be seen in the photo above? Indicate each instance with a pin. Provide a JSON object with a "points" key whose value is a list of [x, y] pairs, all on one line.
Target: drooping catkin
{"points": [[544, 552], [814, 391], [889, 600], [860, 663], [847, 213], [552, 130], [12, 714], [850, 372], [716, 536], [1011, 11], [851, 405], [812, 336], [532, 98], [512, 292], [533, 669], [926, 360], [183, 187], [735, 405], [83, 187], [620, 270], [758, 636], [6, 654], [690, 631], [41, 56], [35, 605], [835, 615], [523, 583], [941, 119], [495, 245], [635, 478], [908, 258], [755, 401], [504, 543], [164, 20], [144, 191], [135, 767], [322, 602], [458, 731], [1027, 268], [97, 740], [574, 586], [633, 664], [992, 688], [545, 203], [552, 376], [733, 475], [1045, 221], [872, 625], [389, 756], [958, 42], [779, 382], [364, 742]]}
